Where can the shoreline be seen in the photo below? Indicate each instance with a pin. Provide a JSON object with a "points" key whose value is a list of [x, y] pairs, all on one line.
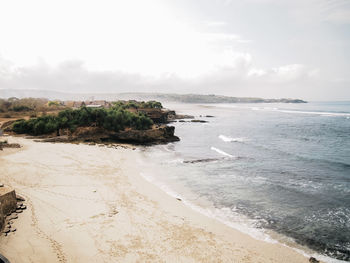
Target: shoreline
{"points": [[259, 234], [131, 220]]}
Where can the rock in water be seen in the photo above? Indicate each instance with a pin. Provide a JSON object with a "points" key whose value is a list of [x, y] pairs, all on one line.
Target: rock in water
{"points": [[313, 260]]}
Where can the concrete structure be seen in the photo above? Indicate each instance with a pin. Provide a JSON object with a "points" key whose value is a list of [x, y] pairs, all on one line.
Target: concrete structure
{"points": [[92, 104], [8, 203]]}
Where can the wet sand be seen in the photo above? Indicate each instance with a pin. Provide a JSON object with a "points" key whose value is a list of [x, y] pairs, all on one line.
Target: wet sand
{"points": [[89, 204]]}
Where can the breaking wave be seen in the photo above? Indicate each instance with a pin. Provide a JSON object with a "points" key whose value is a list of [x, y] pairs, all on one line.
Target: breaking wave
{"points": [[230, 139], [221, 152]]}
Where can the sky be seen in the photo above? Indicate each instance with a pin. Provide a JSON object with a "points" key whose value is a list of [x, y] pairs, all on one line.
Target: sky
{"points": [[260, 48]]}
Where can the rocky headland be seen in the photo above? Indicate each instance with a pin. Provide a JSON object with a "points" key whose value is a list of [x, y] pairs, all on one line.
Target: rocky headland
{"points": [[129, 122]]}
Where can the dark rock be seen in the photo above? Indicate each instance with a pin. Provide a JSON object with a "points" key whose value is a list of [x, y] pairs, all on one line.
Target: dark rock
{"points": [[209, 116], [155, 114], [313, 260], [202, 160], [3, 259], [201, 121], [179, 199], [184, 116], [20, 198], [93, 135], [11, 145], [161, 134]]}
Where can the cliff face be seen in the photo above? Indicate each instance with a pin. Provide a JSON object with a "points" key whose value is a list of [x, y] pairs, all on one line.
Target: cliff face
{"points": [[158, 134], [155, 114]]}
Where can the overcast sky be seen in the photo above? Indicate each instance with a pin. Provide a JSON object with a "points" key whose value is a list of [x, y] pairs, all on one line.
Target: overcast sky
{"points": [[265, 48]]}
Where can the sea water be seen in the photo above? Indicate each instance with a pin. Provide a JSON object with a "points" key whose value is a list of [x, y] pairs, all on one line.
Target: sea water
{"points": [[278, 167]]}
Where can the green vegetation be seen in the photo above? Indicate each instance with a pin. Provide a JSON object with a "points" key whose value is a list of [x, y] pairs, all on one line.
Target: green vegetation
{"points": [[20, 105], [138, 105], [54, 103], [114, 119], [13, 107], [21, 108]]}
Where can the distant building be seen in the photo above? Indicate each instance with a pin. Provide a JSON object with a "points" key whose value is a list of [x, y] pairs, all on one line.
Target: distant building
{"points": [[92, 104]]}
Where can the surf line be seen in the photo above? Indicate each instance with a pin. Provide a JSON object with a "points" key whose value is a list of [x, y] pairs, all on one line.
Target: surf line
{"points": [[221, 152]]}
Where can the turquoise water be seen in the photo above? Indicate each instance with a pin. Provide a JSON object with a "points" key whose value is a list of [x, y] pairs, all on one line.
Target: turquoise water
{"points": [[286, 167]]}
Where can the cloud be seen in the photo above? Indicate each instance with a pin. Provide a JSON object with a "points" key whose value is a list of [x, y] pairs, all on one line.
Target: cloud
{"points": [[224, 37], [339, 16], [216, 23], [236, 76], [284, 74]]}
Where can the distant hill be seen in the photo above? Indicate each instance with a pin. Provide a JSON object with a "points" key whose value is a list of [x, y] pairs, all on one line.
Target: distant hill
{"points": [[162, 97], [199, 98]]}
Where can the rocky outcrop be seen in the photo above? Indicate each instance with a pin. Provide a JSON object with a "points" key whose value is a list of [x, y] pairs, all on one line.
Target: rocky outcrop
{"points": [[313, 260], [158, 134], [200, 121], [9, 145], [160, 115], [7, 125], [155, 114]]}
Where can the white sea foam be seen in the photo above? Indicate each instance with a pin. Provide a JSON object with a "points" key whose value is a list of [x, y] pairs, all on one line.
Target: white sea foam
{"points": [[322, 113], [232, 219], [316, 113], [230, 139], [221, 152], [224, 215], [160, 185], [176, 161]]}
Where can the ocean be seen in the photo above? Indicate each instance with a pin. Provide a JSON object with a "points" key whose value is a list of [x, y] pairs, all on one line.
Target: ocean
{"points": [[279, 172]]}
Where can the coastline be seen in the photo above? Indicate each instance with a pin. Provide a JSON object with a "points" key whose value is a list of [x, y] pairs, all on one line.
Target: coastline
{"points": [[89, 203]]}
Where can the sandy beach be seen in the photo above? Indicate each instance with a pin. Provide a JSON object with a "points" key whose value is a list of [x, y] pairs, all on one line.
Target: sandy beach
{"points": [[89, 204]]}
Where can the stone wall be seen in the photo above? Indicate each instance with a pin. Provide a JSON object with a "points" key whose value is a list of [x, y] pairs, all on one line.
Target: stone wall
{"points": [[8, 203]]}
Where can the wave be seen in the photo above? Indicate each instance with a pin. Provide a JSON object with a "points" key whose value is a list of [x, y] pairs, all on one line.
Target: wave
{"points": [[221, 152], [226, 215], [230, 217], [230, 139], [317, 113], [322, 113], [263, 108]]}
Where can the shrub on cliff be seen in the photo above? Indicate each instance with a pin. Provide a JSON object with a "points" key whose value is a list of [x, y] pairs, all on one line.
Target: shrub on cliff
{"points": [[133, 104], [114, 119]]}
